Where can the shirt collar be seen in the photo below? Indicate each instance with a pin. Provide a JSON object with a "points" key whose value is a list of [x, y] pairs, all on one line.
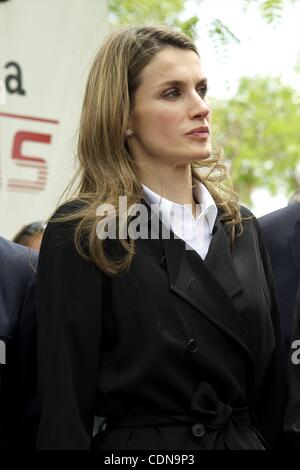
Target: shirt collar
{"points": [[201, 194], [208, 205]]}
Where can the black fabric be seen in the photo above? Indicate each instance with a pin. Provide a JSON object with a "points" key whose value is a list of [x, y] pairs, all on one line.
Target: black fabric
{"points": [[121, 346]]}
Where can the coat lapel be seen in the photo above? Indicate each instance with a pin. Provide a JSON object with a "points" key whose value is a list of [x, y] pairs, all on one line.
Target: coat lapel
{"points": [[210, 285], [294, 243], [222, 267]]}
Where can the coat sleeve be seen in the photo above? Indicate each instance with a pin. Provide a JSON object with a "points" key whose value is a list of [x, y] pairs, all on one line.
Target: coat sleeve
{"points": [[271, 398], [292, 413], [69, 301]]}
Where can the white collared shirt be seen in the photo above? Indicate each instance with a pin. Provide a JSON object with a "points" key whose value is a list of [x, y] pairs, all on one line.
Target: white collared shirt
{"points": [[196, 232]]}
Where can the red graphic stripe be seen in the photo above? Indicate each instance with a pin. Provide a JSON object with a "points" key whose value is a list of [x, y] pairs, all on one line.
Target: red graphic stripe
{"points": [[25, 184], [24, 189], [29, 118], [41, 166], [20, 187]]}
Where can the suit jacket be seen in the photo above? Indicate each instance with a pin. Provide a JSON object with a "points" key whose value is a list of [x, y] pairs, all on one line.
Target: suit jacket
{"points": [[282, 233], [177, 353], [292, 414], [18, 369]]}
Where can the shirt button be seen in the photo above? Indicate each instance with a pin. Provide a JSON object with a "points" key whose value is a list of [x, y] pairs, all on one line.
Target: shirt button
{"points": [[198, 430], [192, 346]]}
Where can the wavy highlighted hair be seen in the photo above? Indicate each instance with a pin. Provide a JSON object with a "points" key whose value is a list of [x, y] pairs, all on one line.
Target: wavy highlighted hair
{"points": [[106, 169]]}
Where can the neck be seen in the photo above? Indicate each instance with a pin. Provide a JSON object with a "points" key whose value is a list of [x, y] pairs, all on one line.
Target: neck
{"points": [[174, 184]]}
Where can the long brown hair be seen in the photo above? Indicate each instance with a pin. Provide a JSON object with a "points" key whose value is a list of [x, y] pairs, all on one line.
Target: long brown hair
{"points": [[106, 169]]}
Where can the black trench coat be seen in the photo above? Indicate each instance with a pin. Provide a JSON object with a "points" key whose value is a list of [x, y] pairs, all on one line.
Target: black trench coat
{"points": [[179, 353]]}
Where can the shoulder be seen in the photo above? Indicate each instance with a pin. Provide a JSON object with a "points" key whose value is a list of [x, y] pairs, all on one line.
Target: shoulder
{"points": [[62, 224], [253, 231], [16, 260], [250, 224], [248, 218], [246, 213], [67, 209], [60, 242], [17, 285], [281, 217]]}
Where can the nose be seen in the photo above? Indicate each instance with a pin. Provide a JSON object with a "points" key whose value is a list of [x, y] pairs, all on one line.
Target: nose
{"points": [[198, 107]]}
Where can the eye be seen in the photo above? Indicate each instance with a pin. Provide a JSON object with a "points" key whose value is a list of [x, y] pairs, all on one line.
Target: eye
{"points": [[202, 90], [173, 93]]}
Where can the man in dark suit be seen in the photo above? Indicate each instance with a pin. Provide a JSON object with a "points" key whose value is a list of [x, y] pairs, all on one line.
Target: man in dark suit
{"points": [[292, 414], [282, 233], [18, 377]]}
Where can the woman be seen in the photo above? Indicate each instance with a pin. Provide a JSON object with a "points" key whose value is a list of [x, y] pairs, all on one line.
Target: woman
{"points": [[175, 340]]}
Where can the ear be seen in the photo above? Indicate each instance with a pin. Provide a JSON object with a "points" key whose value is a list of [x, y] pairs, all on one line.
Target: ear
{"points": [[130, 126], [130, 122]]}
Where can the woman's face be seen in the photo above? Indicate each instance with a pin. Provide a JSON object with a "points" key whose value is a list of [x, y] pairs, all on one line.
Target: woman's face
{"points": [[171, 115]]}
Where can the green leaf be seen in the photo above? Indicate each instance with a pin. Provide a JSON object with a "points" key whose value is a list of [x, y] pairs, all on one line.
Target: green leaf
{"points": [[259, 131]]}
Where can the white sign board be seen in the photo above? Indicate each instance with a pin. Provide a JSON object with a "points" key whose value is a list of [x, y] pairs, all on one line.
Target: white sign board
{"points": [[46, 48]]}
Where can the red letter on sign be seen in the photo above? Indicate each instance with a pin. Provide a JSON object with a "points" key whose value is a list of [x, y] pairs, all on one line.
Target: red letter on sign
{"points": [[29, 161]]}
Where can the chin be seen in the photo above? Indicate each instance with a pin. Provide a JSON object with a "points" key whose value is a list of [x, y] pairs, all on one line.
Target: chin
{"points": [[202, 156]]}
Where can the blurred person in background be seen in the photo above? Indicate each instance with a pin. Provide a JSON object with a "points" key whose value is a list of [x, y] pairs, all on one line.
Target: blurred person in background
{"points": [[18, 362], [31, 235], [174, 340], [281, 230], [292, 414], [295, 197], [282, 233]]}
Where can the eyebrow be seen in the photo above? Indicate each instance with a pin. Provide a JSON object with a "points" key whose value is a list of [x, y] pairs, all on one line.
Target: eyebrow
{"points": [[202, 81]]}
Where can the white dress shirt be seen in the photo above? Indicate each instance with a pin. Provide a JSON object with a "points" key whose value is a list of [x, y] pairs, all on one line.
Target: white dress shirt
{"points": [[196, 232]]}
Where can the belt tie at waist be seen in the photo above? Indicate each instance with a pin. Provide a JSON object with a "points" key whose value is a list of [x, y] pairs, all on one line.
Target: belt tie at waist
{"points": [[205, 408], [219, 424]]}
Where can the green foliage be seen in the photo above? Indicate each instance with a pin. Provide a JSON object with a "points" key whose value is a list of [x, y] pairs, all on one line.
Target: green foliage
{"points": [[141, 11], [223, 34], [259, 132], [168, 12], [259, 128], [188, 26], [271, 10], [172, 12]]}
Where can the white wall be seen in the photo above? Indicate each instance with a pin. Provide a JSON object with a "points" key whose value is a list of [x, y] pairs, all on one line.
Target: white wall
{"points": [[53, 43]]}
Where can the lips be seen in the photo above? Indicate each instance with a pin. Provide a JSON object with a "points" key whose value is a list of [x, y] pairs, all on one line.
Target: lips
{"points": [[199, 131]]}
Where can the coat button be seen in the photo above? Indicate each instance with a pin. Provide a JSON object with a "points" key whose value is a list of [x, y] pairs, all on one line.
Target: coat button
{"points": [[163, 262], [191, 346], [198, 430]]}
